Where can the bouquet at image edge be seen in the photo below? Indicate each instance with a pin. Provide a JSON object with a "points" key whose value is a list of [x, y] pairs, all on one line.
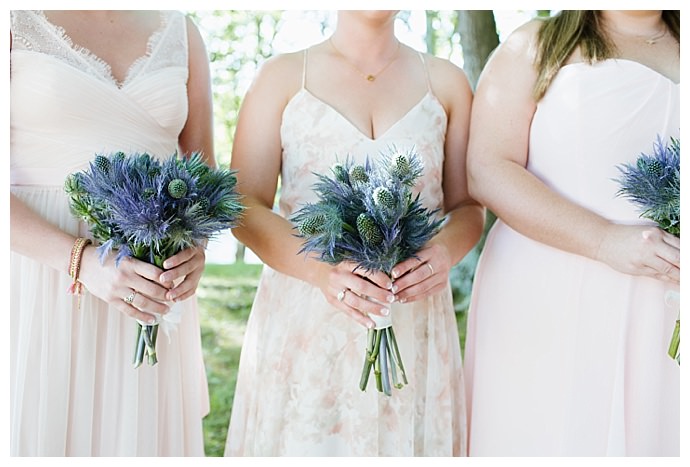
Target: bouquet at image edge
{"points": [[367, 214], [151, 209], [653, 184]]}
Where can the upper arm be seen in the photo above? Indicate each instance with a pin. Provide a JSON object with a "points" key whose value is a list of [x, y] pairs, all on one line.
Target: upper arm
{"points": [[453, 90], [504, 104], [197, 134], [257, 146]]}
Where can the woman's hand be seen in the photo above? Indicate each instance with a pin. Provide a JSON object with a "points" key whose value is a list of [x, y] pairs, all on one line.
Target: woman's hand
{"points": [[131, 279], [359, 293], [185, 270], [418, 278], [641, 251]]}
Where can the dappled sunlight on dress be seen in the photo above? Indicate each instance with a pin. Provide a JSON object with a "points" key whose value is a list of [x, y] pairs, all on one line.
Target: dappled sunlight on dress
{"points": [[74, 391], [566, 356], [298, 385]]}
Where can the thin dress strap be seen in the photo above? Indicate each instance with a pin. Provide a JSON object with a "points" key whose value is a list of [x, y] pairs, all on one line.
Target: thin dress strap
{"points": [[304, 70], [426, 71]]}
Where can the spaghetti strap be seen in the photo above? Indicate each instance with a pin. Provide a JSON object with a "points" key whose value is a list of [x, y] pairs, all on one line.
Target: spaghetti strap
{"points": [[426, 71], [304, 70]]}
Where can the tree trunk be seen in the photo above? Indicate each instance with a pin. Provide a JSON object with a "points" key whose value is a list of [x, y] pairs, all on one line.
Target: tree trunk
{"points": [[478, 38]]}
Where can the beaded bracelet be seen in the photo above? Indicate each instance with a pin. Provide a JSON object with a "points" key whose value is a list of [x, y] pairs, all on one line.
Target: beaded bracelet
{"points": [[75, 264]]}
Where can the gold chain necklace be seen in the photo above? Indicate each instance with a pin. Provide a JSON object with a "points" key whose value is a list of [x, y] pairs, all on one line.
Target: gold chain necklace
{"points": [[649, 40], [368, 76]]}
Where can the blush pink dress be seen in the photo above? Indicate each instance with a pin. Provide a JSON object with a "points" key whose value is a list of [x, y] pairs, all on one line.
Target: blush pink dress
{"points": [[298, 390], [566, 356], [73, 390]]}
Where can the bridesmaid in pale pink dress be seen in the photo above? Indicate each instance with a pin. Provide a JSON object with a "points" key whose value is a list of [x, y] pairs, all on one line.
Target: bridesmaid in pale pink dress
{"points": [[83, 82], [569, 327], [355, 94]]}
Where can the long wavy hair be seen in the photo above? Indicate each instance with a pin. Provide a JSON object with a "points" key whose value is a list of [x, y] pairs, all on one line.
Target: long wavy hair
{"points": [[561, 34]]}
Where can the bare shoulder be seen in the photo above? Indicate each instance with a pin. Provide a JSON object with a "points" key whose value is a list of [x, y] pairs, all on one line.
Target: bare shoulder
{"points": [[521, 44], [277, 79], [448, 81]]}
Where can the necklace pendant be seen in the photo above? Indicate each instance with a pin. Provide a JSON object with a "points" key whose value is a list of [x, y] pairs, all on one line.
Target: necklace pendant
{"points": [[371, 77]]}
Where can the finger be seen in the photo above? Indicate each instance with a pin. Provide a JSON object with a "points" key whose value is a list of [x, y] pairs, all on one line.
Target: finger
{"points": [[184, 289], [141, 268], [179, 258], [672, 240], [172, 275], [363, 288], [379, 278], [363, 305], [423, 272], [420, 290], [664, 270], [669, 253], [408, 265], [140, 307]]}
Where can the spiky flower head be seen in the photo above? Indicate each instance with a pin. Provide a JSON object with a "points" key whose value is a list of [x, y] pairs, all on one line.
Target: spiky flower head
{"points": [[340, 173], [400, 165], [102, 163], [312, 225], [177, 188], [358, 174], [384, 198], [653, 184], [368, 230]]}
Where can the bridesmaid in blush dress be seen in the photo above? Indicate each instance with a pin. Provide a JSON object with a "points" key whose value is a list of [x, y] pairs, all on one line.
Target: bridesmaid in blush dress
{"points": [[83, 82], [356, 94], [569, 324]]}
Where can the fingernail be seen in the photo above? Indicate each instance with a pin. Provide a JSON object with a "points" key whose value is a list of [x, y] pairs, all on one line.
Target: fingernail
{"points": [[163, 278], [394, 288], [391, 298], [151, 321], [389, 285], [370, 325], [170, 296], [385, 311], [395, 273], [403, 300]]}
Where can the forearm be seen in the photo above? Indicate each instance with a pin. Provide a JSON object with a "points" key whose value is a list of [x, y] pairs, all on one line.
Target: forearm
{"points": [[272, 238], [462, 230], [527, 205], [36, 238]]}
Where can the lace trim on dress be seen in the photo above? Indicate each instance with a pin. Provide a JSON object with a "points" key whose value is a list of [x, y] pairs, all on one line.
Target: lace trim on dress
{"points": [[31, 30]]}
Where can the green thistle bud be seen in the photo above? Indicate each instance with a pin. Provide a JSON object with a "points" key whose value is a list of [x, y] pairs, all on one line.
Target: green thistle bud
{"points": [[358, 174], [119, 156], [383, 197], [177, 188], [368, 230], [340, 173], [102, 163], [655, 168], [401, 166], [312, 225]]}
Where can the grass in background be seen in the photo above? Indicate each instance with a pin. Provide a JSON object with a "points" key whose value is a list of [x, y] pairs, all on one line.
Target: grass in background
{"points": [[225, 294]]}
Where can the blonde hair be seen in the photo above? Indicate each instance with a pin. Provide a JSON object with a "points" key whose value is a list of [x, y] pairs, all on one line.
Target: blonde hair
{"points": [[561, 34]]}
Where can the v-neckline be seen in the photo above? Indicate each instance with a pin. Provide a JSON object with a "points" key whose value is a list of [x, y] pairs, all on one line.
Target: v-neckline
{"points": [[94, 60], [355, 127]]}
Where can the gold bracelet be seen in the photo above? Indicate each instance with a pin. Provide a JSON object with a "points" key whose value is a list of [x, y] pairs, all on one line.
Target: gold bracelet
{"points": [[75, 264]]}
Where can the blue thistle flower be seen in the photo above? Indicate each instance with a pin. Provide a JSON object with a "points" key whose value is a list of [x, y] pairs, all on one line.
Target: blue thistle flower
{"points": [[368, 212], [653, 184]]}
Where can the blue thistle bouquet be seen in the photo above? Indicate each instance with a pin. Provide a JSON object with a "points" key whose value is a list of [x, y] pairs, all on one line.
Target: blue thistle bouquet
{"points": [[653, 184], [368, 215], [151, 209]]}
